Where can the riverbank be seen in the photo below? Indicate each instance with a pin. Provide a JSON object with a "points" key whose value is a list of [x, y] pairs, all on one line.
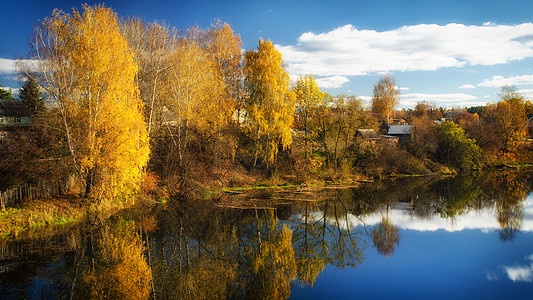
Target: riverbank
{"points": [[46, 216]]}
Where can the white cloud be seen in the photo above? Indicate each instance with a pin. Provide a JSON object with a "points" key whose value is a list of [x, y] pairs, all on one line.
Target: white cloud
{"points": [[527, 93], [403, 88], [331, 82], [483, 220], [7, 66], [467, 86], [499, 81], [348, 51], [444, 100], [520, 273]]}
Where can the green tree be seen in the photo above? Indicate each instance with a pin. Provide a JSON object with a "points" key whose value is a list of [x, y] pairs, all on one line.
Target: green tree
{"points": [[456, 148], [31, 94], [270, 104], [5, 94]]}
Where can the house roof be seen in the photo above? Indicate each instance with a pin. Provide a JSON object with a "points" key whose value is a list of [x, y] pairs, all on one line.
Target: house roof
{"points": [[400, 129], [367, 133], [13, 108], [389, 137]]}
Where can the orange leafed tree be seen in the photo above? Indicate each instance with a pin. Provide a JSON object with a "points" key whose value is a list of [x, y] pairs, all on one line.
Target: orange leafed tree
{"points": [[88, 71], [508, 121]]}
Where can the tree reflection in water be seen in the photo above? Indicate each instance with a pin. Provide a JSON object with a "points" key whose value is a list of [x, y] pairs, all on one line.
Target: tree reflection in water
{"points": [[385, 237], [118, 269], [508, 196], [309, 254], [269, 262], [196, 250]]}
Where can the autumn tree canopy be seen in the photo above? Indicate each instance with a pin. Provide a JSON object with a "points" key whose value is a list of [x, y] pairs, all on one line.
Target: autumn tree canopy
{"points": [[152, 45], [507, 120], [385, 97], [88, 72], [270, 104], [308, 98]]}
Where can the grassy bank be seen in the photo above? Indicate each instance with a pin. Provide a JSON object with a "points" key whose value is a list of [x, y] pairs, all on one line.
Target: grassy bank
{"points": [[40, 217], [37, 215]]}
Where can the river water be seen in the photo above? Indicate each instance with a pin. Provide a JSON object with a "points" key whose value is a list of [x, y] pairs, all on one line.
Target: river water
{"points": [[467, 237]]}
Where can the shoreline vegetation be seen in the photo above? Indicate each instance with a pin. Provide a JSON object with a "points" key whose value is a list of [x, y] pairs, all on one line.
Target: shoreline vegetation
{"points": [[49, 216], [127, 113]]}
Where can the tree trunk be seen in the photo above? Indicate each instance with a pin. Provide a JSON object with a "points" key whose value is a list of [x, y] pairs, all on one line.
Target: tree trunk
{"points": [[89, 183]]}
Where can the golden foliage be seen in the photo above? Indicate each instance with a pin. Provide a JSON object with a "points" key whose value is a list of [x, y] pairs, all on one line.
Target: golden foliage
{"points": [[224, 47], [272, 264], [385, 236], [385, 97], [120, 271], [308, 98], [209, 278], [88, 70], [152, 45], [507, 121], [270, 104]]}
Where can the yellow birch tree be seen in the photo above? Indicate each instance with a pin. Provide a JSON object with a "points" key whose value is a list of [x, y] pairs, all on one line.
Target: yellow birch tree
{"points": [[270, 104], [308, 99], [194, 88], [87, 69], [223, 46], [385, 97], [152, 45]]}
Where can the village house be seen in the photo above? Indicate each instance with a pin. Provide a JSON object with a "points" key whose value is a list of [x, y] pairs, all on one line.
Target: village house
{"points": [[389, 139], [369, 135], [403, 132], [14, 115]]}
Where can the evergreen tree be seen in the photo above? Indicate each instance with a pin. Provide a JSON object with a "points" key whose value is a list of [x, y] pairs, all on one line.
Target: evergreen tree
{"points": [[32, 97], [5, 94]]}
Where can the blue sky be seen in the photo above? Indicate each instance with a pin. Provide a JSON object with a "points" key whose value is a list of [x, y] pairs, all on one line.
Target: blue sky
{"points": [[452, 53]]}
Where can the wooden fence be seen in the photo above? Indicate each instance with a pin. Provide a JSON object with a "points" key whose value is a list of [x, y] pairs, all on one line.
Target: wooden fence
{"points": [[28, 192]]}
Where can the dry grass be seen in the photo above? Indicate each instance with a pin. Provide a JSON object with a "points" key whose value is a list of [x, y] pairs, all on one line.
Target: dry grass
{"points": [[38, 214]]}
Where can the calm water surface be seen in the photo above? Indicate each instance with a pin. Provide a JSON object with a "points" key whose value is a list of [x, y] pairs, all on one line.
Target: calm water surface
{"points": [[467, 237]]}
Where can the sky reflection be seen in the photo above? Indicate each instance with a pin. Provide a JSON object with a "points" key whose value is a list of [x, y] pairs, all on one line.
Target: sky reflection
{"points": [[484, 220]]}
